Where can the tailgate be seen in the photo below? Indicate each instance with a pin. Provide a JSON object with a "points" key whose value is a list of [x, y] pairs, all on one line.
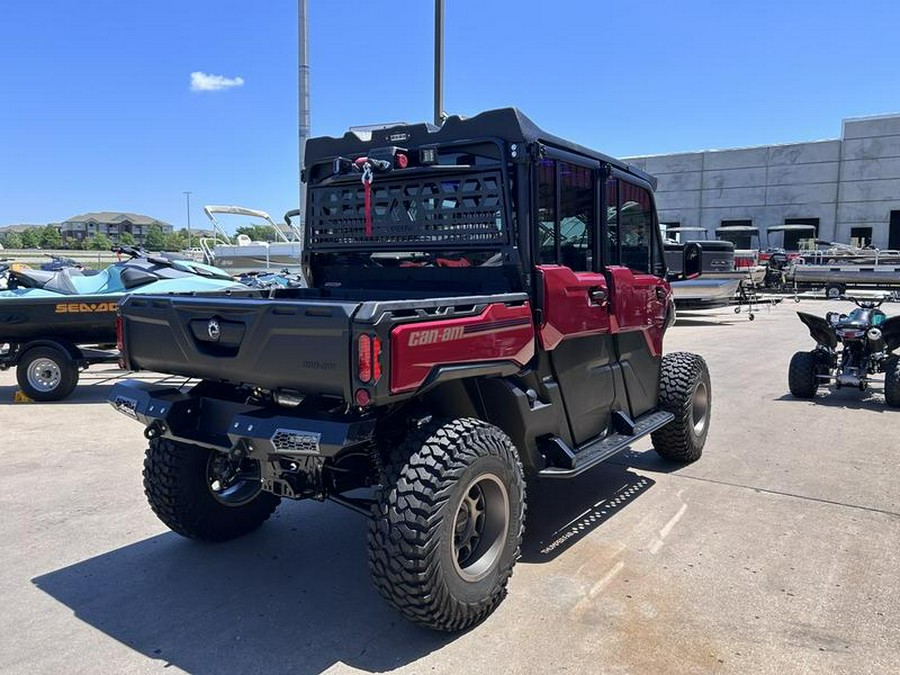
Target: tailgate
{"points": [[298, 345]]}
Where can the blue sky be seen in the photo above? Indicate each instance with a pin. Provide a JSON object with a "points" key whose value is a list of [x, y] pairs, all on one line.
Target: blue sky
{"points": [[97, 112]]}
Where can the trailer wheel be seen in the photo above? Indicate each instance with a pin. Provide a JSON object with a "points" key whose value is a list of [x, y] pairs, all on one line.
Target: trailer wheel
{"points": [[193, 494], [46, 373], [802, 380], [892, 382], [834, 291], [448, 524], [685, 391]]}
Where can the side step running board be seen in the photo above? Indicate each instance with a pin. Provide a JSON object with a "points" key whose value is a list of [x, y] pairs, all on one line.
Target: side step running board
{"points": [[571, 462]]}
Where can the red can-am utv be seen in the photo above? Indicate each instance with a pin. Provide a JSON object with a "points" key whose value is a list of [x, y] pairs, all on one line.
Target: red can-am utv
{"points": [[487, 302]]}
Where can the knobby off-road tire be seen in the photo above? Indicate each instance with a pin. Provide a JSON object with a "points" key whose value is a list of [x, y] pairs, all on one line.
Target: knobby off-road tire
{"points": [[686, 392], [420, 558], [892, 382], [178, 488], [46, 374], [802, 380]]}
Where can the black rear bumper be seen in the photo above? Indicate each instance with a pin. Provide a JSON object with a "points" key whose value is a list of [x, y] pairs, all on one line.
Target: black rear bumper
{"points": [[221, 424]]}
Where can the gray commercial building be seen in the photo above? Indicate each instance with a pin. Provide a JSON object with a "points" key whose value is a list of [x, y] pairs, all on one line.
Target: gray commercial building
{"points": [[848, 188]]}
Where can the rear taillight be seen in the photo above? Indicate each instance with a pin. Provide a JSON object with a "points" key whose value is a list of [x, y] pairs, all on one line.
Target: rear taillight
{"points": [[368, 364]]}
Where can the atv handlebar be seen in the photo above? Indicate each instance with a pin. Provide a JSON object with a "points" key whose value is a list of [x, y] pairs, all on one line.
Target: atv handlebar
{"points": [[866, 304]]}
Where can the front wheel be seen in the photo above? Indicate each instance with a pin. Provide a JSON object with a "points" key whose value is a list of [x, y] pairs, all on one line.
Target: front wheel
{"points": [[47, 374], [202, 494], [892, 382], [802, 380], [685, 391], [448, 524]]}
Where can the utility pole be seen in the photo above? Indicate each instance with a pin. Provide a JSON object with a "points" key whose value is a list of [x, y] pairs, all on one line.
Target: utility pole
{"points": [[303, 88], [187, 196], [438, 62]]}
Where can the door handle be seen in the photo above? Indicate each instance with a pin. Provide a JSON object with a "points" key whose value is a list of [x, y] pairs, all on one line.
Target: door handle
{"points": [[660, 294], [598, 295]]}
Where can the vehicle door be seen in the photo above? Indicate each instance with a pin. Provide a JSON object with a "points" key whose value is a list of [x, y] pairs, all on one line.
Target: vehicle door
{"points": [[573, 294], [639, 294]]}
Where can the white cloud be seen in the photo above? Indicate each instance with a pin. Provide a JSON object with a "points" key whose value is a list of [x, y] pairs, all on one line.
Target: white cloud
{"points": [[204, 82]]}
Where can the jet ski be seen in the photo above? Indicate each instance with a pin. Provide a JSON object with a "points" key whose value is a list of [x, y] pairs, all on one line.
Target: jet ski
{"points": [[45, 315]]}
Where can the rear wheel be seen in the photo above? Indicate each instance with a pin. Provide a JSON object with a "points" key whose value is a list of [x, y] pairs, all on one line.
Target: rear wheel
{"points": [[448, 524], [202, 494], [834, 291], [892, 382], [46, 374], [686, 392], [802, 379]]}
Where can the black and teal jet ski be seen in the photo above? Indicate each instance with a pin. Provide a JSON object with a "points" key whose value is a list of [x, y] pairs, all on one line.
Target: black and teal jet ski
{"points": [[46, 316]]}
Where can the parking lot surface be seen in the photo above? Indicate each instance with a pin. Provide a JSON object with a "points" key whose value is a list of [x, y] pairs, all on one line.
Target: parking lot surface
{"points": [[777, 552]]}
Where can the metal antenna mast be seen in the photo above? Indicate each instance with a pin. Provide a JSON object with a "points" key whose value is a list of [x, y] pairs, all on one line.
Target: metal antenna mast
{"points": [[438, 62], [304, 101]]}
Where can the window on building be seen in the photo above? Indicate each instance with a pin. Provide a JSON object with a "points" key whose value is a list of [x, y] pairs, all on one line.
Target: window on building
{"points": [[565, 233], [861, 236]]}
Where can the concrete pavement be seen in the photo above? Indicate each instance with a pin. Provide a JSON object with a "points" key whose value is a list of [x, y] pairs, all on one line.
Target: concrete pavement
{"points": [[776, 552]]}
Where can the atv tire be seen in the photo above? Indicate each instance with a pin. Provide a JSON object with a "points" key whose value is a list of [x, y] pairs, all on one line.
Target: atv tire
{"points": [[47, 374], [448, 523], [892, 382], [802, 380], [178, 486], [686, 392]]}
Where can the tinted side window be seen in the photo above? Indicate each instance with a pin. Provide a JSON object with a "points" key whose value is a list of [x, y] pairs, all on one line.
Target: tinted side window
{"points": [[635, 226], [576, 216], [564, 235], [612, 222], [546, 219]]}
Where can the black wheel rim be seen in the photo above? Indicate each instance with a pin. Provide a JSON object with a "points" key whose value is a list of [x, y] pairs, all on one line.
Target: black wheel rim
{"points": [[479, 528], [700, 407], [230, 482]]}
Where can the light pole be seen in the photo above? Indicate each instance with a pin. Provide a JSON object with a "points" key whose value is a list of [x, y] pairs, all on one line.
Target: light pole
{"points": [[438, 62], [187, 196]]}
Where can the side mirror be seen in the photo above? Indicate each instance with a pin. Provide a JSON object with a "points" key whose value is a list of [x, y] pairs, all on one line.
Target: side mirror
{"points": [[692, 260]]}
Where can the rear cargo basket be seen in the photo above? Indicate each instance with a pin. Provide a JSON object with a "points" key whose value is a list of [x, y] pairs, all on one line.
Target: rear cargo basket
{"points": [[464, 211]]}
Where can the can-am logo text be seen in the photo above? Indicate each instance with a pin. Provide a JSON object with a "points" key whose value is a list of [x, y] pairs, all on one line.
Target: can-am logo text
{"points": [[429, 337]]}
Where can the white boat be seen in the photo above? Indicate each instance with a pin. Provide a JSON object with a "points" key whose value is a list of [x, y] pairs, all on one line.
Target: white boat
{"points": [[241, 254]]}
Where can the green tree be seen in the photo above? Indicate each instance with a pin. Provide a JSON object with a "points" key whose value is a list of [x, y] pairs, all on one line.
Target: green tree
{"points": [[188, 240], [174, 241], [12, 240], [99, 242], [31, 238], [154, 240], [50, 237], [127, 239], [257, 232]]}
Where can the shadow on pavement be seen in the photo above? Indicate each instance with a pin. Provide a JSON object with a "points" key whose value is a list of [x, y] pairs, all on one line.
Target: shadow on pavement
{"points": [[293, 596], [561, 512], [851, 399]]}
